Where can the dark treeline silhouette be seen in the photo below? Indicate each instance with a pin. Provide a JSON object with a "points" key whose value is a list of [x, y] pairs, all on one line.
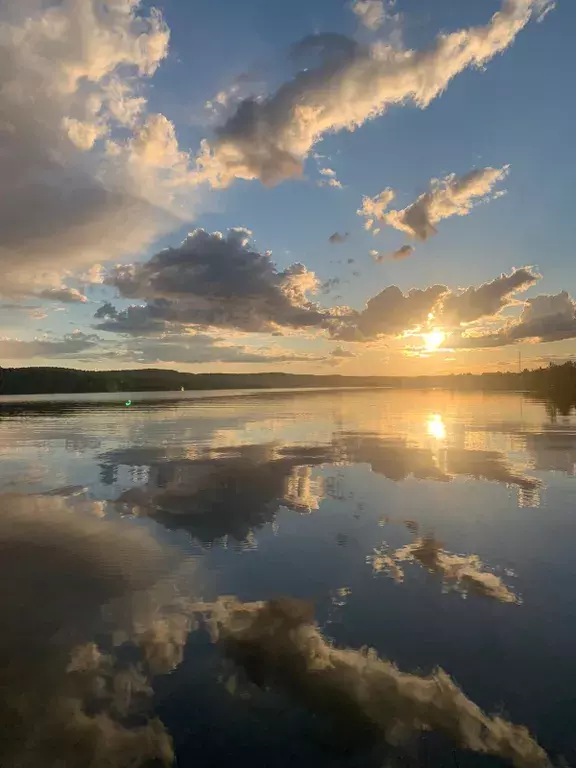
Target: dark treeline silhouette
{"points": [[555, 381]]}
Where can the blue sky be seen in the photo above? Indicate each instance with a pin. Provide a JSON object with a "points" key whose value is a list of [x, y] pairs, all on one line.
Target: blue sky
{"points": [[515, 111]]}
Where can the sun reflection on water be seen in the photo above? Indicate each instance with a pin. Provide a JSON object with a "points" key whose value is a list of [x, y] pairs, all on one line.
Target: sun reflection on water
{"points": [[436, 427]]}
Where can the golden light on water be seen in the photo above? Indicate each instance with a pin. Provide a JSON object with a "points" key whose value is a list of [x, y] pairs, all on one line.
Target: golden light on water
{"points": [[433, 339], [436, 427]]}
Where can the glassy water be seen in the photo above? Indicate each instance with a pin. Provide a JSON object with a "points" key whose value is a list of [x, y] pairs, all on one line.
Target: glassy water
{"points": [[435, 528]]}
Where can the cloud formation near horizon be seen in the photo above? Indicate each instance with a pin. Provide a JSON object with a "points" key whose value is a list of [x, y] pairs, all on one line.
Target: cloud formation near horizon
{"points": [[213, 280], [270, 138], [70, 344], [451, 196], [544, 318]]}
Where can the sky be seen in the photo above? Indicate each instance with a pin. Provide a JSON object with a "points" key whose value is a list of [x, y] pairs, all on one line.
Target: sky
{"points": [[320, 186]]}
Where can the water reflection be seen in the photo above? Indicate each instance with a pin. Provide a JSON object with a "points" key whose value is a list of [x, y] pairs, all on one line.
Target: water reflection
{"points": [[306, 488], [230, 491], [465, 574], [436, 427], [65, 700]]}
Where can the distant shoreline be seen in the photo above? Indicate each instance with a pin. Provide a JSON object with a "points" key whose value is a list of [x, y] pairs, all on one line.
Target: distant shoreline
{"points": [[555, 381]]}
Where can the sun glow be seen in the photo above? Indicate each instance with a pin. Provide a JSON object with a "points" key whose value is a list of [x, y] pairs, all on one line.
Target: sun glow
{"points": [[433, 339], [436, 427]]}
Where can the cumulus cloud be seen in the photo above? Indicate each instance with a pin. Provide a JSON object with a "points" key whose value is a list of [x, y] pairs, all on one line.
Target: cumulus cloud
{"points": [[336, 238], [67, 698], [215, 280], [451, 196], [545, 318], [370, 12], [280, 646], [269, 138], [70, 344], [86, 172], [390, 312], [64, 294], [486, 300]]}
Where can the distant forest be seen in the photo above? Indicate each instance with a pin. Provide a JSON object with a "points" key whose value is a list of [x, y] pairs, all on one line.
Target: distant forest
{"points": [[557, 382]]}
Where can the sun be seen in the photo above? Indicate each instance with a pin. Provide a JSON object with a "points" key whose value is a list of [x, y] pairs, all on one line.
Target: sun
{"points": [[433, 339]]}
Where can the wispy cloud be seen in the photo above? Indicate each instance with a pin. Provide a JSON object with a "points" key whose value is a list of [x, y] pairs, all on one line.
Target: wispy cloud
{"points": [[269, 139], [451, 196]]}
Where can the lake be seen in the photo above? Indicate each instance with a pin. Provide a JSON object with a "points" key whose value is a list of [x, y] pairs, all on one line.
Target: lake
{"points": [[140, 545]]}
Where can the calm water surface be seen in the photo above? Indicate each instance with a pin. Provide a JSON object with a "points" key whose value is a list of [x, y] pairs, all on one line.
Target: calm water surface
{"points": [[436, 528]]}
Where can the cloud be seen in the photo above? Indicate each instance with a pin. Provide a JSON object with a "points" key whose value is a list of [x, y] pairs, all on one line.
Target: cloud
{"points": [[373, 208], [486, 300], [377, 256], [336, 238], [390, 312], [545, 318], [451, 196], [269, 138], [340, 352], [202, 348], [330, 183], [330, 284], [370, 12], [462, 573], [280, 647], [86, 173], [226, 491], [72, 701], [63, 294], [402, 253], [70, 344], [218, 281]]}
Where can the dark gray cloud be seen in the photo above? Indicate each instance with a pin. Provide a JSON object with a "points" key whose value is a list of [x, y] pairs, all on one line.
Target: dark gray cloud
{"points": [[390, 312], [544, 318], [486, 300], [270, 138], [336, 238], [70, 344], [215, 280], [330, 284]]}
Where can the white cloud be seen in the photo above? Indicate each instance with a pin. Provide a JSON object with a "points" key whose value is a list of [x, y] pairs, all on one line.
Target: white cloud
{"points": [[269, 139], [370, 12], [73, 189], [451, 196]]}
